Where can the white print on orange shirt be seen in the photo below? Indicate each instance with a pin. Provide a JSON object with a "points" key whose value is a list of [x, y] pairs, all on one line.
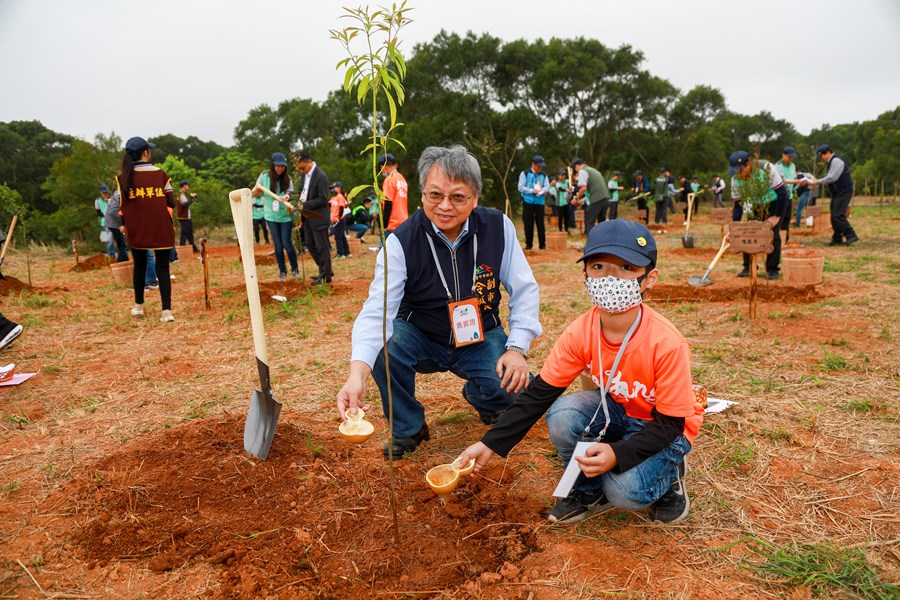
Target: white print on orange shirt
{"points": [[619, 388]]}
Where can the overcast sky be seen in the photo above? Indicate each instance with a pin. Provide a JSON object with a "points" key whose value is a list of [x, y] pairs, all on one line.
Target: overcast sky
{"points": [[196, 67]]}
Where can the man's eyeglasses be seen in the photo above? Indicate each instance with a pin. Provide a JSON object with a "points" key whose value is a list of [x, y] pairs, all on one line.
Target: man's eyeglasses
{"points": [[457, 199]]}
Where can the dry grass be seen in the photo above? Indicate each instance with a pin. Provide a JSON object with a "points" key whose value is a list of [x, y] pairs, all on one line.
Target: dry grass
{"points": [[808, 456]]}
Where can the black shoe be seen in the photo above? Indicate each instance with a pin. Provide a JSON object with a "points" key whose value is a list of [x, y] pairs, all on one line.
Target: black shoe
{"points": [[836, 243], [321, 280], [770, 275], [403, 446], [852, 239], [744, 273], [8, 331], [675, 504], [577, 506], [528, 247]]}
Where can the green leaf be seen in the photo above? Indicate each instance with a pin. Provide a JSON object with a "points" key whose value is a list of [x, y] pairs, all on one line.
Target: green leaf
{"points": [[393, 107], [356, 190], [363, 89]]}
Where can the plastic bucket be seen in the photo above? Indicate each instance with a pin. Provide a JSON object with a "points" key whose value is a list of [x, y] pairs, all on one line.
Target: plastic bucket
{"points": [[122, 272], [185, 253], [802, 265]]}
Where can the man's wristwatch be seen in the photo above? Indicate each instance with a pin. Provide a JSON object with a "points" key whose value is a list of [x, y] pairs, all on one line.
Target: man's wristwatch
{"points": [[518, 350]]}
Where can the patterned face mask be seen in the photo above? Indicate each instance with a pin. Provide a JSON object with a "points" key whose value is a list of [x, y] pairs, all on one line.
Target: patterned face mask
{"points": [[614, 295]]}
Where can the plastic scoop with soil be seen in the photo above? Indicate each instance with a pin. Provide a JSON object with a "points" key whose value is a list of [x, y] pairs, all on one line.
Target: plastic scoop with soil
{"points": [[356, 429], [443, 479]]}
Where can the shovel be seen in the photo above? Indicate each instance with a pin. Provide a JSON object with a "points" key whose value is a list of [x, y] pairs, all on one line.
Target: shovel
{"points": [[705, 280], [12, 227], [264, 408], [687, 240]]}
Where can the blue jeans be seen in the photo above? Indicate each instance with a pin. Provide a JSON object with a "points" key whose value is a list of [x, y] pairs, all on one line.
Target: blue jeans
{"points": [[801, 204], [150, 274], [359, 228], [340, 238], [411, 352], [281, 237], [636, 488]]}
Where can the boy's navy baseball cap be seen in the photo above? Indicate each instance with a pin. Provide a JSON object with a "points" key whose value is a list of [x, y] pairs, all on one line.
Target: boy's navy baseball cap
{"points": [[737, 160], [626, 239]]}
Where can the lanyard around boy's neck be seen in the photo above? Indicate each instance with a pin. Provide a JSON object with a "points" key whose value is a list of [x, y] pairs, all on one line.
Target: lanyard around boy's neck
{"points": [[604, 387], [441, 272]]}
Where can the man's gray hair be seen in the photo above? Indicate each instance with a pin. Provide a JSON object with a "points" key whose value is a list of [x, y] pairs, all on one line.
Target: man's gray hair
{"points": [[458, 163]]}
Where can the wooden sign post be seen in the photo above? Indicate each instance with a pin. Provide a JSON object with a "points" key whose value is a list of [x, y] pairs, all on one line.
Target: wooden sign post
{"points": [[818, 222], [752, 237], [204, 258], [721, 216]]}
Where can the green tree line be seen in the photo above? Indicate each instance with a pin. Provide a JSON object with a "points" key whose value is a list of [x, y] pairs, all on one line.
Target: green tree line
{"points": [[506, 101]]}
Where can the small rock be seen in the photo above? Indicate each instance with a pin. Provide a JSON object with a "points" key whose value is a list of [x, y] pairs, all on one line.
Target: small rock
{"points": [[159, 564]]}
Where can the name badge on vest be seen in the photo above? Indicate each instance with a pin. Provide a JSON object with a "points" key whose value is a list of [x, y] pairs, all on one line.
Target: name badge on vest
{"points": [[465, 320], [276, 205]]}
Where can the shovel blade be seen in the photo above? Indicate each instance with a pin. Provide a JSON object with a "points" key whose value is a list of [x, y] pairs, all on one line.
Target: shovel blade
{"points": [[259, 430], [699, 281], [687, 241]]}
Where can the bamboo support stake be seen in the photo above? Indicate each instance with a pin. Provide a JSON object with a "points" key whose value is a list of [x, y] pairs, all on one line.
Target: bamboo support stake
{"points": [[753, 282]]}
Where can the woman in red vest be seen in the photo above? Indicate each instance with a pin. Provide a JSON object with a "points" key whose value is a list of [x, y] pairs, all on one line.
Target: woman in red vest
{"points": [[147, 197]]}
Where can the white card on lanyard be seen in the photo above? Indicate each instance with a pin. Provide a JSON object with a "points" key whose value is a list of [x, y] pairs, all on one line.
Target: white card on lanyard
{"points": [[573, 470]]}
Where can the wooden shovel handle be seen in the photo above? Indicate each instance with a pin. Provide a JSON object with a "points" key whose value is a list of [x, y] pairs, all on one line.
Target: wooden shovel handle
{"points": [[12, 228], [276, 197], [242, 212], [725, 245]]}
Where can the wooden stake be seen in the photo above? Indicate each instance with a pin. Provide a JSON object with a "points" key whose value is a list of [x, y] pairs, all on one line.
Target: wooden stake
{"points": [[204, 256], [75, 250], [752, 286]]}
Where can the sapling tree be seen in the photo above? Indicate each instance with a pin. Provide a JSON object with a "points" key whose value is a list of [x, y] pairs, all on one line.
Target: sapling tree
{"points": [[374, 68]]}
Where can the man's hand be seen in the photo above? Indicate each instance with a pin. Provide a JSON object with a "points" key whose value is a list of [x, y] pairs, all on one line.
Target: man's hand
{"points": [[773, 221], [481, 453], [354, 389], [512, 369], [598, 459]]}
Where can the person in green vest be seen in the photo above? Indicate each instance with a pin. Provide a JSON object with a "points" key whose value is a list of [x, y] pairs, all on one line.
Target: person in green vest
{"points": [[259, 220], [565, 212], [592, 192], [664, 192], [277, 212], [100, 206], [613, 187]]}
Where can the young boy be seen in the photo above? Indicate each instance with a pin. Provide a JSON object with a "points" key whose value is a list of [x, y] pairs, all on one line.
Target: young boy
{"points": [[650, 417]]}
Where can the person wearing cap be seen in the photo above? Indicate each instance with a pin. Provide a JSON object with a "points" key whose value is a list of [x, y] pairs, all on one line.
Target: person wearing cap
{"points": [[113, 223], [641, 187], [638, 425], [565, 216], [533, 184], [396, 193], [338, 212], [665, 190], [613, 186], [277, 212], [101, 203], [840, 185], [788, 171], [592, 192], [447, 264], [806, 194], [718, 188], [259, 219], [360, 217], [742, 168], [183, 213], [315, 197], [146, 196]]}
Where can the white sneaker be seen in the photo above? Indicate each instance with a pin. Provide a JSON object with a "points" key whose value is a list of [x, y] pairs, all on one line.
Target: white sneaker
{"points": [[167, 316], [171, 277], [138, 310]]}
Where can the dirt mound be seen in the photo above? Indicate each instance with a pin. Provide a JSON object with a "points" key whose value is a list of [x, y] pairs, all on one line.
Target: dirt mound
{"points": [[91, 263], [11, 284], [316, 508], [729, 292]]}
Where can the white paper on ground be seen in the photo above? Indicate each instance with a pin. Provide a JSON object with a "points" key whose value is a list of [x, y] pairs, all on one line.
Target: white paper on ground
{"points": [[717, 405], [572, 471], [18, 378]]}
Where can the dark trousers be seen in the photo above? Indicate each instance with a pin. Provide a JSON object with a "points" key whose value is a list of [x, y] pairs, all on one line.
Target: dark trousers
{"points": [[119, 242], [570, 217], [613, 210], [839, 221], [340, 238], [319, 248], [531, 214], [595, 213], [662, 211], [162, 275], [642, 205], [260, 224], [187, 233], [386, 212], [562, 217]]}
